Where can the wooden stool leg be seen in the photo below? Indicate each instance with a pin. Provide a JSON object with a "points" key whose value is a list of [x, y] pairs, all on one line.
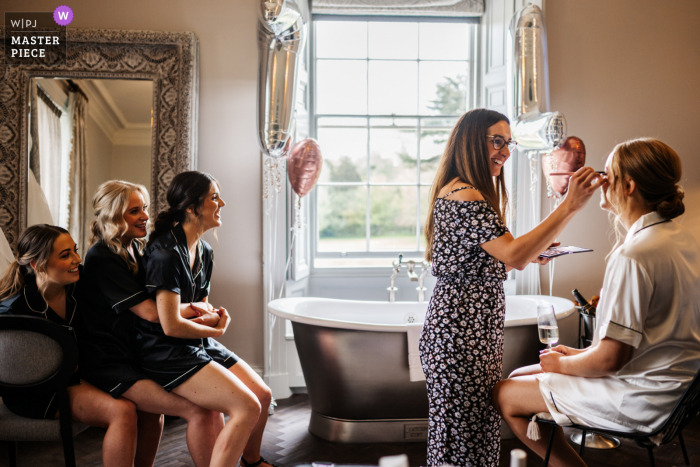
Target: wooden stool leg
{"points": [[549, 447], [685, 453]]}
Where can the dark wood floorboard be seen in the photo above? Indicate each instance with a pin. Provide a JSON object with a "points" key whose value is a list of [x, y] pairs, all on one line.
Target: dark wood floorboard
{"points": [[288, 442]]}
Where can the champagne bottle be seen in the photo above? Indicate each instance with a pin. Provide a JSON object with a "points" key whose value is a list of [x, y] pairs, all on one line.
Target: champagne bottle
{"points": [[587, 307]]}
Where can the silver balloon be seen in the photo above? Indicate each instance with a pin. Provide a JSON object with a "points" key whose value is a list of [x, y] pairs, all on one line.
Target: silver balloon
{"points": [[281, 35], [533, 126]]}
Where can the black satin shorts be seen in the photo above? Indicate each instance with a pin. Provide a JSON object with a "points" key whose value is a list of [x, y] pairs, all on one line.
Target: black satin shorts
{"points": [[170, 361]]}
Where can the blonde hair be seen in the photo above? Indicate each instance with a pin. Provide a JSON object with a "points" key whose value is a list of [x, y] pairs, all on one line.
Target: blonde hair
{"points": [[466, 158], [110, 203], [656, 170], [34, 245]]}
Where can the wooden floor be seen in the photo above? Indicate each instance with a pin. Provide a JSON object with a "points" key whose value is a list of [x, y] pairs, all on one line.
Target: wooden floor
{"points": [[288, 442]]}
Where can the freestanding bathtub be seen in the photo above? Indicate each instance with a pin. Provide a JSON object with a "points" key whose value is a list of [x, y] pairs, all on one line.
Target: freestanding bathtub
{"points": [[354, 356]]}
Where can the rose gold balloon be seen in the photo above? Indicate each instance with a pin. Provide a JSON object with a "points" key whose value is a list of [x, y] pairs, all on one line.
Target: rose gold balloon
{"points": [[570, 157], [304, 166]]}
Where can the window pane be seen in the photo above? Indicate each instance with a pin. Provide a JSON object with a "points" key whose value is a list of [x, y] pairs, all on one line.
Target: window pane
{"points": [[393, 155], [393, 40], [341, 39], [341, 218], [443, 88], [344, 150], [432, 146], [393, 87], [444, 41], [341, 87], [393, 218], [424, 206]]}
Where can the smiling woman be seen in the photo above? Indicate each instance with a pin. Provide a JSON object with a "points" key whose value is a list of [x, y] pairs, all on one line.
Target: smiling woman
{"points": [[44, 281], [472, 250]]}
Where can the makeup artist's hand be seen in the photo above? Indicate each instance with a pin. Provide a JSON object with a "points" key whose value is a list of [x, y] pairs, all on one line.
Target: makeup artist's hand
{"points": [[541, 260], [582, 185]]}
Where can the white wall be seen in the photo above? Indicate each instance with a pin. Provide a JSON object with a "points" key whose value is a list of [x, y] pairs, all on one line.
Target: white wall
{"points": [[131, 163], [99, 159], [621, 70]]}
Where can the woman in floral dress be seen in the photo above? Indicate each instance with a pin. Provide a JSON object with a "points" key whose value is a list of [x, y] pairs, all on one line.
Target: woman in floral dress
{"points": [[472, 250]]}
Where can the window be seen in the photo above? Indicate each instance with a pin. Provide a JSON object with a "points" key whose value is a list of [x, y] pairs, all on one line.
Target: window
{"points": [[386, 96]]}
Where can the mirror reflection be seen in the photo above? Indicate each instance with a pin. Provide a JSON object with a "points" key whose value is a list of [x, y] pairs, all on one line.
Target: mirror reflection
{"points": [[83, 132]]}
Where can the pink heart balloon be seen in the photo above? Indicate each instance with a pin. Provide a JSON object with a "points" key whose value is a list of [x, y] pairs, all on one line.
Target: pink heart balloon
{"points": [[304, 166], [570, 157]]}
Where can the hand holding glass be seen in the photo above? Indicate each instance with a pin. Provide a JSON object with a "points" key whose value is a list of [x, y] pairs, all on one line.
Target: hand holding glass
{"points": [[547, 325]]}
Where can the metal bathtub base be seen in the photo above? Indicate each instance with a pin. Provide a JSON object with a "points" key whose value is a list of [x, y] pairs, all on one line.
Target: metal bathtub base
{"points": [[368, 431]]}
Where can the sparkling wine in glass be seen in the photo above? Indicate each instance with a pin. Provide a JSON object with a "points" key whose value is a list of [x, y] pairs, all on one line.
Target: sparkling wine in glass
{"points": [[547, 325]]}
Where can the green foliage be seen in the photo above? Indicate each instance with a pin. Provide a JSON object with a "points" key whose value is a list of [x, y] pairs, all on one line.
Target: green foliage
{"points": [[342, 210], [451, 96]]}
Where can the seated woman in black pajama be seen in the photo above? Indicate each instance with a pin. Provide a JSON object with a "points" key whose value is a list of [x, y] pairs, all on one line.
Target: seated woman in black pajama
{"points": [[44, 281], [115, 279], [180, 354]]}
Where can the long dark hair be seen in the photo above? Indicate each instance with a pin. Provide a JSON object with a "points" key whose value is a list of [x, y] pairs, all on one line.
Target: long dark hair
{"points": [[188, 189], [35, 244], [466, 158]]}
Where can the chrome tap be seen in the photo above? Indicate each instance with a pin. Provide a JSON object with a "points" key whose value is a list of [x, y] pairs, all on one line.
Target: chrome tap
{"points": [[424, 272], [411, 266], [392, 290], [412, 275]]}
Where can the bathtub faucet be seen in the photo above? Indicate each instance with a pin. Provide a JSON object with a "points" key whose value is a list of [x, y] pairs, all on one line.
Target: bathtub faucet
{"points": [[392, 289], [412, 275]]}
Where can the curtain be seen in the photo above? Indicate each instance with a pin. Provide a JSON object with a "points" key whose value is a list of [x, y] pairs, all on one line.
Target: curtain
{"points": [[44, 190], [38, 210], [77, 176], [438, 8]]}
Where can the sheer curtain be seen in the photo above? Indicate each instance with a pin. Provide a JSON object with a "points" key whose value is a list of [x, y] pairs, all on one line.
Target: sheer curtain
{"points": [[77, 177], [45, 156], [439, 8]]}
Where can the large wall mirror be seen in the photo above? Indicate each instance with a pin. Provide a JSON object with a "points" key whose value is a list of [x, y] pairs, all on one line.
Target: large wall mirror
{"points": [[82, 133], [119, 105]]}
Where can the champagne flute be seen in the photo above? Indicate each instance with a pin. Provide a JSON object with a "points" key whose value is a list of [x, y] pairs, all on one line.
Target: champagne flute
{"points": [[547, 325]]}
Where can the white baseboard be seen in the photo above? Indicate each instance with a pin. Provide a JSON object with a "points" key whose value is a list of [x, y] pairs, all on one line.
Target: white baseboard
{"points": [[279, 385]]}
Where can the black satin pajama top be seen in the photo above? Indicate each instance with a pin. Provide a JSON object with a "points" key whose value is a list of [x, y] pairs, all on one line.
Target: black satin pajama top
{"points": [[171, 360], [108, 356]]}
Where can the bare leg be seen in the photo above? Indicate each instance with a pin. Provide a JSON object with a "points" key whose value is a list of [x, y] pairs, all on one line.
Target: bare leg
{"points": [[521, 397], [250, 378], [93, 407], [150, 428], [526, 370], [202, 424], [215, 388]]}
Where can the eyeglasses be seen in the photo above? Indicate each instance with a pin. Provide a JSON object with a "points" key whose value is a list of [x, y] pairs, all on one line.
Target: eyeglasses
{"points": [[499, 142]]}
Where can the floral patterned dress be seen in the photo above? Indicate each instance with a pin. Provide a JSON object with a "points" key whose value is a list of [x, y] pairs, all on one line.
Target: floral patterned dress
{"points": [[461, 346]]}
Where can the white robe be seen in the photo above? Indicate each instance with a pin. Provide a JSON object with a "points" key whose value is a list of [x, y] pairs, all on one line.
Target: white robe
{"points": [[651, 301]]}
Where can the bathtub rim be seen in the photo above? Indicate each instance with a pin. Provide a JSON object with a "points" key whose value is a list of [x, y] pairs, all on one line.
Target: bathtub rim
{"points": [[283, 308]]}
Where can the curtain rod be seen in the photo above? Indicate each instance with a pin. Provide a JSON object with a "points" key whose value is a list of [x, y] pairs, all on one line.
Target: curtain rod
{"points": [[75, 88]]}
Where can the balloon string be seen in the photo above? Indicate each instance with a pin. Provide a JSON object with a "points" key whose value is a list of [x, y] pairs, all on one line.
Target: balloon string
{"points": [[289, 260]]}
